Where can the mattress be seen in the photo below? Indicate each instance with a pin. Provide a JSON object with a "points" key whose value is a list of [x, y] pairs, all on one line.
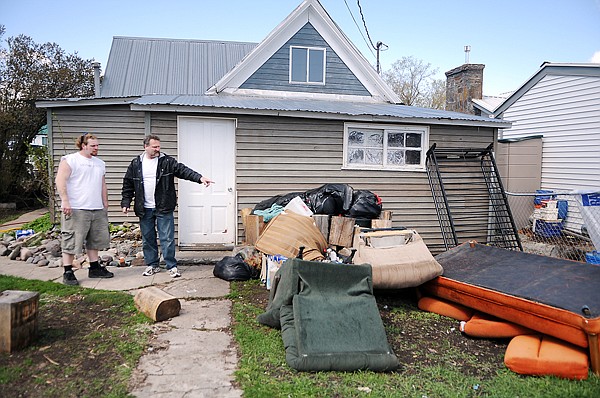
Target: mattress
{"points": [[557, 297]]}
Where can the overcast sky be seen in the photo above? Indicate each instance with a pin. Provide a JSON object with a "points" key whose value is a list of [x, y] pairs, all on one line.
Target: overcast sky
{"points": [[511, 37]]}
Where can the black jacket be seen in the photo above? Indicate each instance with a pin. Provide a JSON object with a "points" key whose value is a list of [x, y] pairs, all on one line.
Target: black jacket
{"points": [[165, 195]]}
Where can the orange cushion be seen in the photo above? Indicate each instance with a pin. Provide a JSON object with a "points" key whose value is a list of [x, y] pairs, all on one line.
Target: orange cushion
{"points": [[446, 308], [541, 355], [487, 326]]}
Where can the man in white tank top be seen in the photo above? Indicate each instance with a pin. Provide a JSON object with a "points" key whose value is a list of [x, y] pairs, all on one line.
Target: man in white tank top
{"points": [[81, 184]]}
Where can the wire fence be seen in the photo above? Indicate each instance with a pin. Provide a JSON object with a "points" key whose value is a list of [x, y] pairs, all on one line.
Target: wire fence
{"points": [[558, 224]]}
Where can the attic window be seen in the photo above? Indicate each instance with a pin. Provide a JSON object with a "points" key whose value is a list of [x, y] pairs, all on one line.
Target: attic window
{"points": [[307, 65], [385, 147]]}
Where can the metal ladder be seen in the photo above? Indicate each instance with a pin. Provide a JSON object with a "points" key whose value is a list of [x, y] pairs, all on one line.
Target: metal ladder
{"points": [[469, 197]]}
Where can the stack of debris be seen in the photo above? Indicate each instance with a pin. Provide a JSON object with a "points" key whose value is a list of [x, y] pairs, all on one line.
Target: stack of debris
{"points": [[44, 249]]}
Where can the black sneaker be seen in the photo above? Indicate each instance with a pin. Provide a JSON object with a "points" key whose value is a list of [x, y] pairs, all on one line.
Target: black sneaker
{"points": [[69, 278], [100, 272]]}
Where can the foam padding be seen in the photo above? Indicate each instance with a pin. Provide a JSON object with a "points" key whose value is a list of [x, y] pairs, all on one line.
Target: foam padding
{"points": [[489, 327], [446, 308], [540, 355]]}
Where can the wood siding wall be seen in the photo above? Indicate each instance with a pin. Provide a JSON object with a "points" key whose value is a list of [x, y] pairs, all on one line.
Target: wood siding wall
{"points": [[282, 155], [274, 155], [566, 110], [120, 133], [274, 74]]}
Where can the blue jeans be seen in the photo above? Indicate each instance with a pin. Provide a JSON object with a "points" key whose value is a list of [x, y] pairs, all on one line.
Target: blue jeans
{"points": [[165, 223]]}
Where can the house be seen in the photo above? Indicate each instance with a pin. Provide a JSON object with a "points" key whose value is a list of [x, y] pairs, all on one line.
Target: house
{"points": [[297, 110], [561, 102]]}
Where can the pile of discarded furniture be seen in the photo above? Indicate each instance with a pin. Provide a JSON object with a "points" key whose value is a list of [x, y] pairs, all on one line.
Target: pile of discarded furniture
{"points": [[322, 269]]}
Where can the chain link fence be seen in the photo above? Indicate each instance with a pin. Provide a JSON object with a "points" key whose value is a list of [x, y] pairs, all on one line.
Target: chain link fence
{"points": [[558, 224]]}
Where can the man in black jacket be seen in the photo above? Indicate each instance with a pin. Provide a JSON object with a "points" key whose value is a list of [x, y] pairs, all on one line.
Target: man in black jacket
{"points": [[150, 183]]}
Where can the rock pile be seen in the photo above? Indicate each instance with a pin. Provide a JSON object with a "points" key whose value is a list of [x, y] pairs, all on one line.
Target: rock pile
{"points": [[43, 249]]}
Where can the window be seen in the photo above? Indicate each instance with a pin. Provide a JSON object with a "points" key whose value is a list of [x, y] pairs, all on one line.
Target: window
{"points": [[385, 147], [307, 65]]}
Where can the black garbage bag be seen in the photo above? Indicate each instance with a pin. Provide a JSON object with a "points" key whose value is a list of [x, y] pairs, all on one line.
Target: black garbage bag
{"points": [[365, 204], [281, 200], [331, 199], [234, 268]]}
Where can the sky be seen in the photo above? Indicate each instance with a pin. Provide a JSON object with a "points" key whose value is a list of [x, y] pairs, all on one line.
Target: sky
{"points": [[512, 38]]}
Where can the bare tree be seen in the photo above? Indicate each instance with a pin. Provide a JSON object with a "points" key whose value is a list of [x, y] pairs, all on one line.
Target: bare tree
{"points": [[412, 79], [28, 72]]}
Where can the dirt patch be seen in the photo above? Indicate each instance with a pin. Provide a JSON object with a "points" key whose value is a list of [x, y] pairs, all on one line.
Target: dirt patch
{"points": [[74, 355]]}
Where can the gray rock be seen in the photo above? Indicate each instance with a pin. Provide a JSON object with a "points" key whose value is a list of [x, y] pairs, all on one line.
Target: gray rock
{"points": [[56, 263], [25, 254], [43, 262], [29, 260], [4, 250], [16, 252], [54, 247]]}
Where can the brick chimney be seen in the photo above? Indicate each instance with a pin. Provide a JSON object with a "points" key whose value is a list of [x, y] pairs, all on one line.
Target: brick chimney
{"points": [[464, 84]]}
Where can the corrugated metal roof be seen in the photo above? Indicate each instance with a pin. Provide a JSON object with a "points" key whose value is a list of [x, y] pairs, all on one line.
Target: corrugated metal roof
{"points": [[138, 66], [346, 108]]}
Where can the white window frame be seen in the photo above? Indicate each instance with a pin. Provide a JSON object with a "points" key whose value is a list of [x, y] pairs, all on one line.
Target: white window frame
{"points": [[308, 50], [423, 130]]}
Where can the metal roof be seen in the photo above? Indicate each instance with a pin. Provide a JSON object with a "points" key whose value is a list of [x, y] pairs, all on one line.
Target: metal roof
{"points": [[308, 107], [138, 66]]}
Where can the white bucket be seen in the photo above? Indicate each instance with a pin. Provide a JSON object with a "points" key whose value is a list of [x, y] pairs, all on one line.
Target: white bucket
{"points": [[297, 206]]}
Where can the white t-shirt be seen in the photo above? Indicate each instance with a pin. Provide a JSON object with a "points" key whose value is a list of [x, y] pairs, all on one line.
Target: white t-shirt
{"points": [[84, 185], [149, 167]]}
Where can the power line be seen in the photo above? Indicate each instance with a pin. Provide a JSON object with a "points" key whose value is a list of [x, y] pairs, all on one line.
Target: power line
{"points": [[365, 24], [359, 29]]}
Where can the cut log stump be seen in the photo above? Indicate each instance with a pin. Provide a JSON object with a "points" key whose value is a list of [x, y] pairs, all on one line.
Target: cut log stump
{"points": [[157, 304], [18, 319]]}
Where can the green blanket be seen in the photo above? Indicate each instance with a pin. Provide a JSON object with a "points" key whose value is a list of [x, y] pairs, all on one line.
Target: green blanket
{"points": [[328, 317]]}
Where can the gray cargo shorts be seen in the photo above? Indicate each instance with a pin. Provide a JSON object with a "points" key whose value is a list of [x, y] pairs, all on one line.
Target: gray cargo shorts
{"points": [[85, 226]]}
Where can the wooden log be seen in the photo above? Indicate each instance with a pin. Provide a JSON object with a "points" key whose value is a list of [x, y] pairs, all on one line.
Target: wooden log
{"points": [[341, 231], [322, 222], [254, 227], [375, 223], [157, 304], [386, 215], [244, 213], [18, 319]]}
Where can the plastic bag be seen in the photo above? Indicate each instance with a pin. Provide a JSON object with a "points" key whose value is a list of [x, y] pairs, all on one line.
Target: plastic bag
{"points": [[234, 268], [280, 200], [365, 204], [331, 199]]}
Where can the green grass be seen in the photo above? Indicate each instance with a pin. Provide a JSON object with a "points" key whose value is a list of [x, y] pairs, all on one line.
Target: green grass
{"points": [[40, 224], [263, 371]]}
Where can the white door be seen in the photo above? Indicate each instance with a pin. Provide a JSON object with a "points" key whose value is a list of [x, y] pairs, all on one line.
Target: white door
{"points": [[207, 215]]}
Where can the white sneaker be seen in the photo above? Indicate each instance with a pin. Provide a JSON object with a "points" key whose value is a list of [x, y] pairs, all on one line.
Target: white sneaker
{"points": [[174, 273], [150, 270]]}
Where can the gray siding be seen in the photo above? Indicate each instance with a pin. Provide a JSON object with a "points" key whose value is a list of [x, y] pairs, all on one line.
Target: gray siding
{"points": [[274, 155], [274, 74], [120, 133], [281, 155]]}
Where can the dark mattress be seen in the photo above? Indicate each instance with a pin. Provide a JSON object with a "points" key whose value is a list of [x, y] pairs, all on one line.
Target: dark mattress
{"points": [[559, 283]]}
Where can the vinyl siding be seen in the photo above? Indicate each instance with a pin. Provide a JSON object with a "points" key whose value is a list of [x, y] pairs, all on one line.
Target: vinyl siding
{"points": [[566, 110], [274, 74], [120, 133], [274, 155]]}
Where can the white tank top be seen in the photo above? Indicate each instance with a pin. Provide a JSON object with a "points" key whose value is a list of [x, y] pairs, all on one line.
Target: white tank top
{"points": [[84, 185]]}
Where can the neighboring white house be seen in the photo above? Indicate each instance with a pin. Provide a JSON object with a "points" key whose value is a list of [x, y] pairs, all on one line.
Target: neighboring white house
{"points": [[41, 139], [561, 102]]}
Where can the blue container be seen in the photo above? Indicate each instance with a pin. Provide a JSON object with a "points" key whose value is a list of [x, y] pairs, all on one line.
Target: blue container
{"points": [[542, 194], [593, 257], [548, 229], [563, 208]]}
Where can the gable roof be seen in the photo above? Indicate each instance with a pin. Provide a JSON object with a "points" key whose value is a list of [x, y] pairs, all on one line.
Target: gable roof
{"points": [[139, 66], [547, 68], [310, 11]]}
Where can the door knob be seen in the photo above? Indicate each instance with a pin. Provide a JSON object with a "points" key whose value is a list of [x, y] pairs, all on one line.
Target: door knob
{"points": [[229, 189]]}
